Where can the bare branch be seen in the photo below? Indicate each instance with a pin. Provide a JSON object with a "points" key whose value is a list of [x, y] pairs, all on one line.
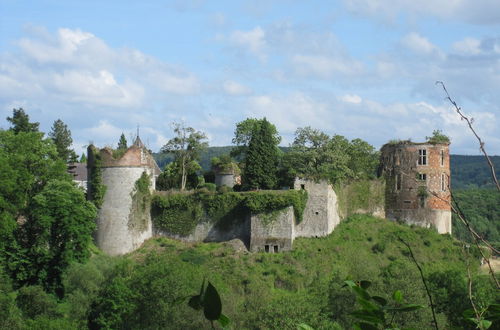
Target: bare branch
{"points": [[469, 123]]}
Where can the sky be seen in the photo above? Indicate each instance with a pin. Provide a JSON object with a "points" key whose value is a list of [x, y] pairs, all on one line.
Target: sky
{"points": [[358, 68]]}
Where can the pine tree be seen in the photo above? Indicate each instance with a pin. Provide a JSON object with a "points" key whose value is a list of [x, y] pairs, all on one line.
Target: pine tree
{"points": [[61, 136], [83, 158], [21, 122], [122, 144], [262, 158]]}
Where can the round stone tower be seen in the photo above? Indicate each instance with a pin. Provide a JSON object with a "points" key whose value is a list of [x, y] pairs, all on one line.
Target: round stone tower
{"points": [[417, 183], [124, 221]]}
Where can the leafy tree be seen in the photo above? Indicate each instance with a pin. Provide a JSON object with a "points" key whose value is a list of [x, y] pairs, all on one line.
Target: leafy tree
{"points": [[122, 144], [363, 159], [261, 159], [57, 233], [186, 147], [243, 134], [21, 122], [170, 178], [438, 137], [83, 158], [61, 136], [317, 156]]}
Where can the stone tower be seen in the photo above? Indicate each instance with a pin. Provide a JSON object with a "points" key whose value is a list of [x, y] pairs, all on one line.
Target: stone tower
{"points": [[122, 223], [417, 183]]}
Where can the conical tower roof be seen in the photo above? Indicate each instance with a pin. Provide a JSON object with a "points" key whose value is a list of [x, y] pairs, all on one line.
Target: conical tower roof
{"points": [[138, 143]]}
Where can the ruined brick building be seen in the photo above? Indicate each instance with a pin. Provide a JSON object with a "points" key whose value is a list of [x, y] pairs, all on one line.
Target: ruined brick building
{"points": [[417, 183]]}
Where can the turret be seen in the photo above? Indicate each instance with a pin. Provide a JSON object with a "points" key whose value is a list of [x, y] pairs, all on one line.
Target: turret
{"points": [[417, 183], [123, 222]]}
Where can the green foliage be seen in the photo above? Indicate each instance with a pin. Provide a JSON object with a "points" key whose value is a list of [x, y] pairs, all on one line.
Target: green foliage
{"points": [[141, 203], [122, 143], [261, 159], [171, 176], [61, 136], [377, 312], [20, 122], [243, 134], [34, 301], [186, 147], [361, 196], [83, 158], [224, 164], [97, 188], [57, 233], [472, 171], [180, 213], [481, 208], [209, 300], [317, 156], [438, 137]]}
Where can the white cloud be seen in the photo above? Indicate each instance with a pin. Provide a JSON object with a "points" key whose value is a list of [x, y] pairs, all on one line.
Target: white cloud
{"points": [[351, 98], [234, 88], [324, 66], [418, 44], [468, 46], [253, 40]]}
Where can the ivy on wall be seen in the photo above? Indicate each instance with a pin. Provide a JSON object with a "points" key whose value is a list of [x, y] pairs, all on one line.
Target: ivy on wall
{"points": [[180, 213], [363, 195], [141, 203], [96, 188]]}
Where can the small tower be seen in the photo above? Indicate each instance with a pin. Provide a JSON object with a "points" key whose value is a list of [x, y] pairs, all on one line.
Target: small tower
{"points": [[417, 183], [122, 224]]}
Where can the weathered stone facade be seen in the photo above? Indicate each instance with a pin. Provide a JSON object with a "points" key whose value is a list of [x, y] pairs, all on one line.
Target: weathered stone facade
{"points": [[417, 184], [119, 229], [272, 233]]}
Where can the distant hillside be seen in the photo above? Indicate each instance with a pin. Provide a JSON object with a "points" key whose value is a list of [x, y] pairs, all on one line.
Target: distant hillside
{"points": [[466, 171], [472, 171]]}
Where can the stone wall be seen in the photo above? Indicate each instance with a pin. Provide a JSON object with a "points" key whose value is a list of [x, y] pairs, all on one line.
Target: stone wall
{"points": [[272, 233], [224, 179], [321, 214], [117, 232]]}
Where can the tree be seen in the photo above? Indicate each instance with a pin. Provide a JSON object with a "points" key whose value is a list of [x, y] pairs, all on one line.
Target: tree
{"points": [[21, 122], [83, 158], [122, 144], [61, 136], [317, 156], [243, 134], [57, 232], [262, 158], [170, 178], [186, 147], [438, 137], [363, 159]]}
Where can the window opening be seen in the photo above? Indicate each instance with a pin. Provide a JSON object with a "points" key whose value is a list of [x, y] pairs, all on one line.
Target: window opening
{"points": [[443, 182], [303, 186], [442, 157], [275, 249], [422, 157], [422, 176], [398, 181], [266, 248]]}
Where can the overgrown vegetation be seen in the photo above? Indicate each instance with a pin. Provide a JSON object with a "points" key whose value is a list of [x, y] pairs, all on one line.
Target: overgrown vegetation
{"points": [[179, 213], [362, 196], [438, 137], [141, 203], [97, 189]]}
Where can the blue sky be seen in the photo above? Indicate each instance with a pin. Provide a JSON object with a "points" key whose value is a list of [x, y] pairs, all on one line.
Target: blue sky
{"points": [[359, 68]]}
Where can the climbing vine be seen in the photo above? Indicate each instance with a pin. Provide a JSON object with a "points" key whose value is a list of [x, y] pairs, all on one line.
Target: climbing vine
{"points": [[97, 189], [141, 203], [180, 213]]}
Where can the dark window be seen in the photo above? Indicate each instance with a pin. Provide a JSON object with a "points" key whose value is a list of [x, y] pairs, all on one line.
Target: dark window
{"points": [[302, 186], [316, 212], [442, 157], [266, 248], [443, 182], [422, 157], [275, 249], [422, 176]]}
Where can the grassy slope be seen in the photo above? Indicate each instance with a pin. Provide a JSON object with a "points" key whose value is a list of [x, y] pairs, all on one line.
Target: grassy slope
{"points": [[279, 290]]}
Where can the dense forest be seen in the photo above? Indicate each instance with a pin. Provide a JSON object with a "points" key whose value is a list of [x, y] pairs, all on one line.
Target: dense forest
{"points": [[366, 272]]}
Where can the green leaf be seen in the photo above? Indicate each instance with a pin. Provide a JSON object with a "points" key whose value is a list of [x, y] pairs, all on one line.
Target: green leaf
{"points": [[195, 302], [224, 321], [212, 305], [369, 316], [304, 326], [361, 292], [381, 301], [398, 296], [484, 324], [367, 305]]}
